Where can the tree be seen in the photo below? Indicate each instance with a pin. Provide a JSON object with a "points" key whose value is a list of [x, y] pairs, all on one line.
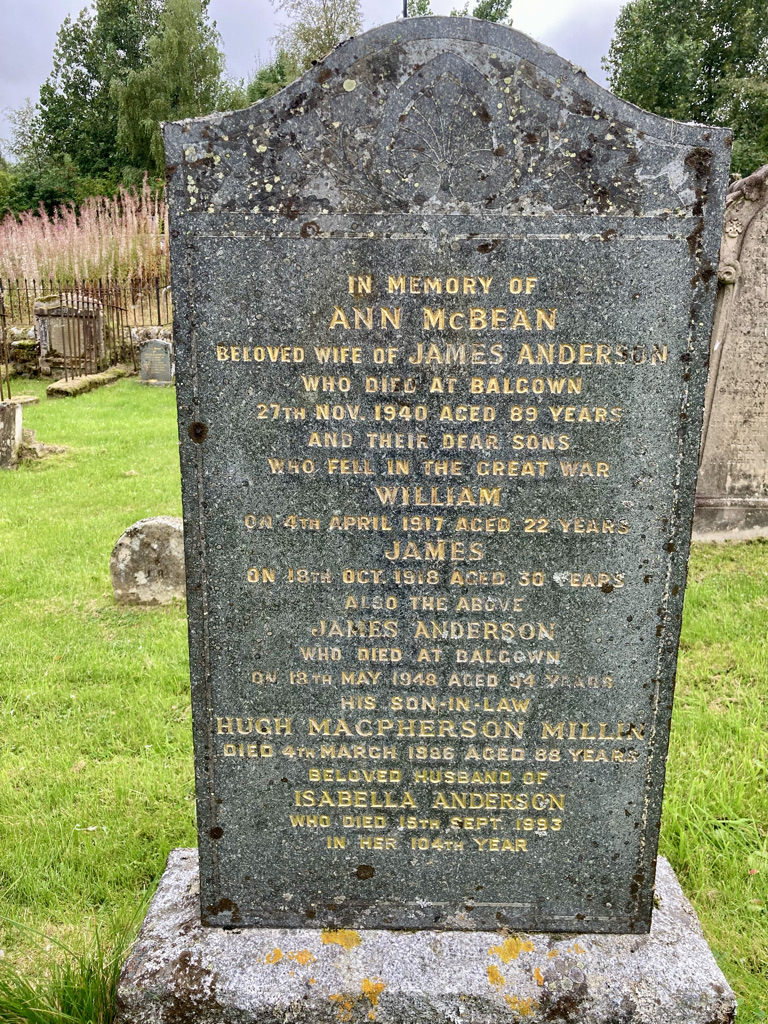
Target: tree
{"points": [[697, 62], [272, 77], [419, 8], [27, 142], [182, 78], [744, 108], [36, 175], [316, 27], [78, 114], [486, 10]]}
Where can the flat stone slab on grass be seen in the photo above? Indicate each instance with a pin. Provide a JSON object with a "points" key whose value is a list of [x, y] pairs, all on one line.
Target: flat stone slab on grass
{"points": [[80, 385], [31, 449], [180, 972], [25, 400]]}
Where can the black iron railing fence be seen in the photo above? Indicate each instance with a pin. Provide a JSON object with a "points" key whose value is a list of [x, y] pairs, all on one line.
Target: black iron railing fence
{"points": [[82, 326]]}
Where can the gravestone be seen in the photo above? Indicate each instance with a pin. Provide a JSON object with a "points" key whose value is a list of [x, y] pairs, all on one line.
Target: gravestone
{"points": [[147, 562], [156, 362], [732, 491], [442, 314], [69, 328]]}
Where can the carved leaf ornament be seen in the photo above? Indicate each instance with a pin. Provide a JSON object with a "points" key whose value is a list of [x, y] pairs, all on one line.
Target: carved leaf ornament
{"points": [[390, 131], [439, 137]]}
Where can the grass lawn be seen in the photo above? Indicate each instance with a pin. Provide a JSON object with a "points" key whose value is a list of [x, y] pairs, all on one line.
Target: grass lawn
{"points": [[96, 781]]}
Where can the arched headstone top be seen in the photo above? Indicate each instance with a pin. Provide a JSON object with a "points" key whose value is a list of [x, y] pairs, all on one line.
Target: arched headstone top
{"points": [[454, 115], [744, 200]]}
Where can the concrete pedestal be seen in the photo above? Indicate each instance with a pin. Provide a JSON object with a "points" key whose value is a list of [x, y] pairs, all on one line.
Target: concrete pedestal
{"points": [[10, 434], [179, 972]]}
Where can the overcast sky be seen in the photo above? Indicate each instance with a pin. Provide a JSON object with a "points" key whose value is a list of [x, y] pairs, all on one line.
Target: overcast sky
{"points": [[578, 29]]}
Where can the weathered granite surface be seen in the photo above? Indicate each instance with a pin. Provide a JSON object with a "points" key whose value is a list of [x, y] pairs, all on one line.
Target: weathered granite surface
{"points": [[147, 563], [441, 317], [732, 490], [182, 973]]}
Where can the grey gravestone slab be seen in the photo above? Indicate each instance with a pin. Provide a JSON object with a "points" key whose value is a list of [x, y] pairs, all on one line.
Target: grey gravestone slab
{"points": [[441, 326], [181, 972], [157, 361], [732, 490]]}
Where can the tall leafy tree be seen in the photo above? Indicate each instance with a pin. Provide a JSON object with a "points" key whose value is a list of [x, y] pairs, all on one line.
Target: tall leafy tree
{"points": [[316, 26], [78, 113], [182, 78], [36, 175], [697, 61]]}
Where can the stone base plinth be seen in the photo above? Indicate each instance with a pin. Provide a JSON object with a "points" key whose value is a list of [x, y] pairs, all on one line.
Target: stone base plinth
{"points": [[179, 972], [716, 520]]}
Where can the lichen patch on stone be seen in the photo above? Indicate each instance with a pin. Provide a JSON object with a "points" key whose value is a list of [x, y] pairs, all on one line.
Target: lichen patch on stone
{"points": [[372, 989], [495, 977], [523, 1007], [301, 956], [346, 937], [511, 949]]}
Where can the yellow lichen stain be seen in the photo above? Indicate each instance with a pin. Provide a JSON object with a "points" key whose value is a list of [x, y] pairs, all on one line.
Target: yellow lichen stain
{"points": [[495, 977], [524, 1007], [576, 948], [274, 957], [312, 981], [511, 949], [538, 976], [553, 952], [346, 937], [343, 1008], [301, 956], [372, 989]]}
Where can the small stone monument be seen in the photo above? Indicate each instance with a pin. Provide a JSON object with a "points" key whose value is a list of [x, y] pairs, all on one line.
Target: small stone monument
{"points": [[69, 329], [147, 563], [732, 491], [442, 323], [157, 362], [10, 434]]}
